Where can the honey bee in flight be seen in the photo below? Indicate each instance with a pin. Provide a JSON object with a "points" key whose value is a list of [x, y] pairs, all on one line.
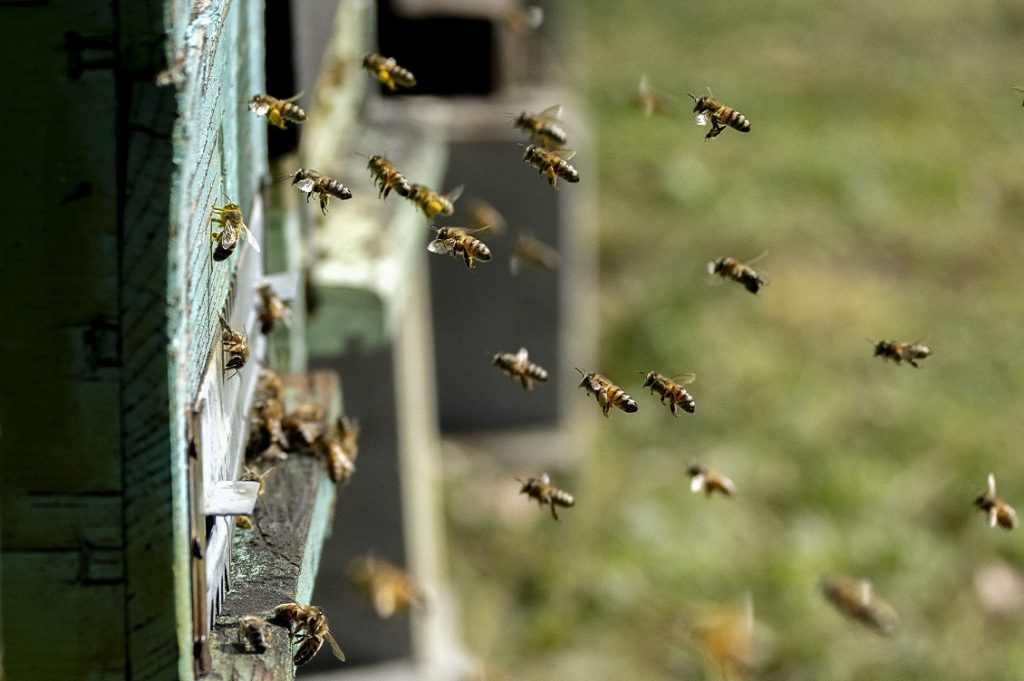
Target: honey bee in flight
{"points": [[651, 101], [272, 309], [731, 268], [855, 598], [518, 365], [902, 352], [544, 128], [533, 252], [235, 344], [277, 110], [386, 175], [709, 109], [544, 492], [430, 202], [705, 480], [484, 214], [671, 389], [391, 589], [999, 512], [311, 182], [606, 393], [232, 226], [388, 72], [455, 242], [255, 631], [309, 624], [553, 163]]}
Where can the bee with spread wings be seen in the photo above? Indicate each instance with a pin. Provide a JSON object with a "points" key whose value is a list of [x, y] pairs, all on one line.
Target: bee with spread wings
{"points": [[456, 241]]}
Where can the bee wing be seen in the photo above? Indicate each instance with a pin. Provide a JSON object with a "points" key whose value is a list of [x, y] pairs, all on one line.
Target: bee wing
{"points": [[684, 379], [991, 484], [250, 238], [513, 264], [442, 246], [751, 262], [294, 97], [454, 194], [564, 154], [864, 592], [702, 118], [552, 113], [993, 516], [335, 648], [306, 184], [384, 602], [522, 355], [697, 483]]}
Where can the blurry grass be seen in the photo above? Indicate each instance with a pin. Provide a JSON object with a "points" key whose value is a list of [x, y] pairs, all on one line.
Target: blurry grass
{"points": [[883, 177]]}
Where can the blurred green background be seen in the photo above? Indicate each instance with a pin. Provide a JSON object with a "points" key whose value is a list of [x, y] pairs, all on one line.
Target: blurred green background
{"points": [[883, 177]]}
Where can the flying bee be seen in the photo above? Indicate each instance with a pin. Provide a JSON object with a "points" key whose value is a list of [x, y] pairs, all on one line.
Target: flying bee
{"points": [[709, 481], [651, 101], [606, 393], [277, 110], [484, 214], [391, 589], [388, 72], [309, 624], [553, 163], [386, 175], [304, 424], [544, 128], [430, 202], [235, 344], [254, 630], [902, 352], [272, 309], [709, 109], [999, 512], [229, 217], [855, 598], [455, 241], [544, 492], [519, 19], [311, 182], [731, 268], [340, 449], [671, 389], [534, 252], [519, 366]]}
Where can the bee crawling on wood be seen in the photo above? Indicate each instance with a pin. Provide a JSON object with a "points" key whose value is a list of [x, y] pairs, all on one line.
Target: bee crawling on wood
{"points": [[340, 448], [672, 389], [277, 110], [999, 512], [309, 624], [544, 492], [606, 393], [255, 631], [232, 226], [236, 346], [311, 182], [518, 365], [705, 480], [902, 352]]}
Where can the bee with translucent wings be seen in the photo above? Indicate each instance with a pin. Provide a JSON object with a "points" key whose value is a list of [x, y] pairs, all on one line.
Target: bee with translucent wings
{"points": [[672, 389], [388, 72], [430, 202], [710, 110], [309, 625], [651, 101], [738, 271], [392, 589], [544, 128], [856, 599], [606, 393], [232, 226], [532, 251], [387, 177], [703, 479], [235, 345], [311, 182], [455, 241], [277, 110], [899, 351], [518, 365], [999, 512], [554, 163], [544, 492]]}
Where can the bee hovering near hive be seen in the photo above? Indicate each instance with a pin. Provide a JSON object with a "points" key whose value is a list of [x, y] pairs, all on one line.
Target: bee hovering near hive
{"points": [[386, 175], [902, 352], [544, 128], [671, 389], [544, 492], [484, 214], [518, 365], [606, 393], [272, 309], [309, 624], [650, 100], [232, 226], [532, 251], [705, 480], [709, 109], [430, 202], [388, 72], [277, 111], [311, 182], [999, 512], [553, 163], [855, 598], [391, 589], [236, 346], [731, 268], [455, 241], [254, 631]]}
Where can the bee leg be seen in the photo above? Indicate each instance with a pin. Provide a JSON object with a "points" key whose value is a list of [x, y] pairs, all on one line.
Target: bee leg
{"points": [[913, 363], [672, 407], [323, 203], [527, 383], [554, 511]]}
